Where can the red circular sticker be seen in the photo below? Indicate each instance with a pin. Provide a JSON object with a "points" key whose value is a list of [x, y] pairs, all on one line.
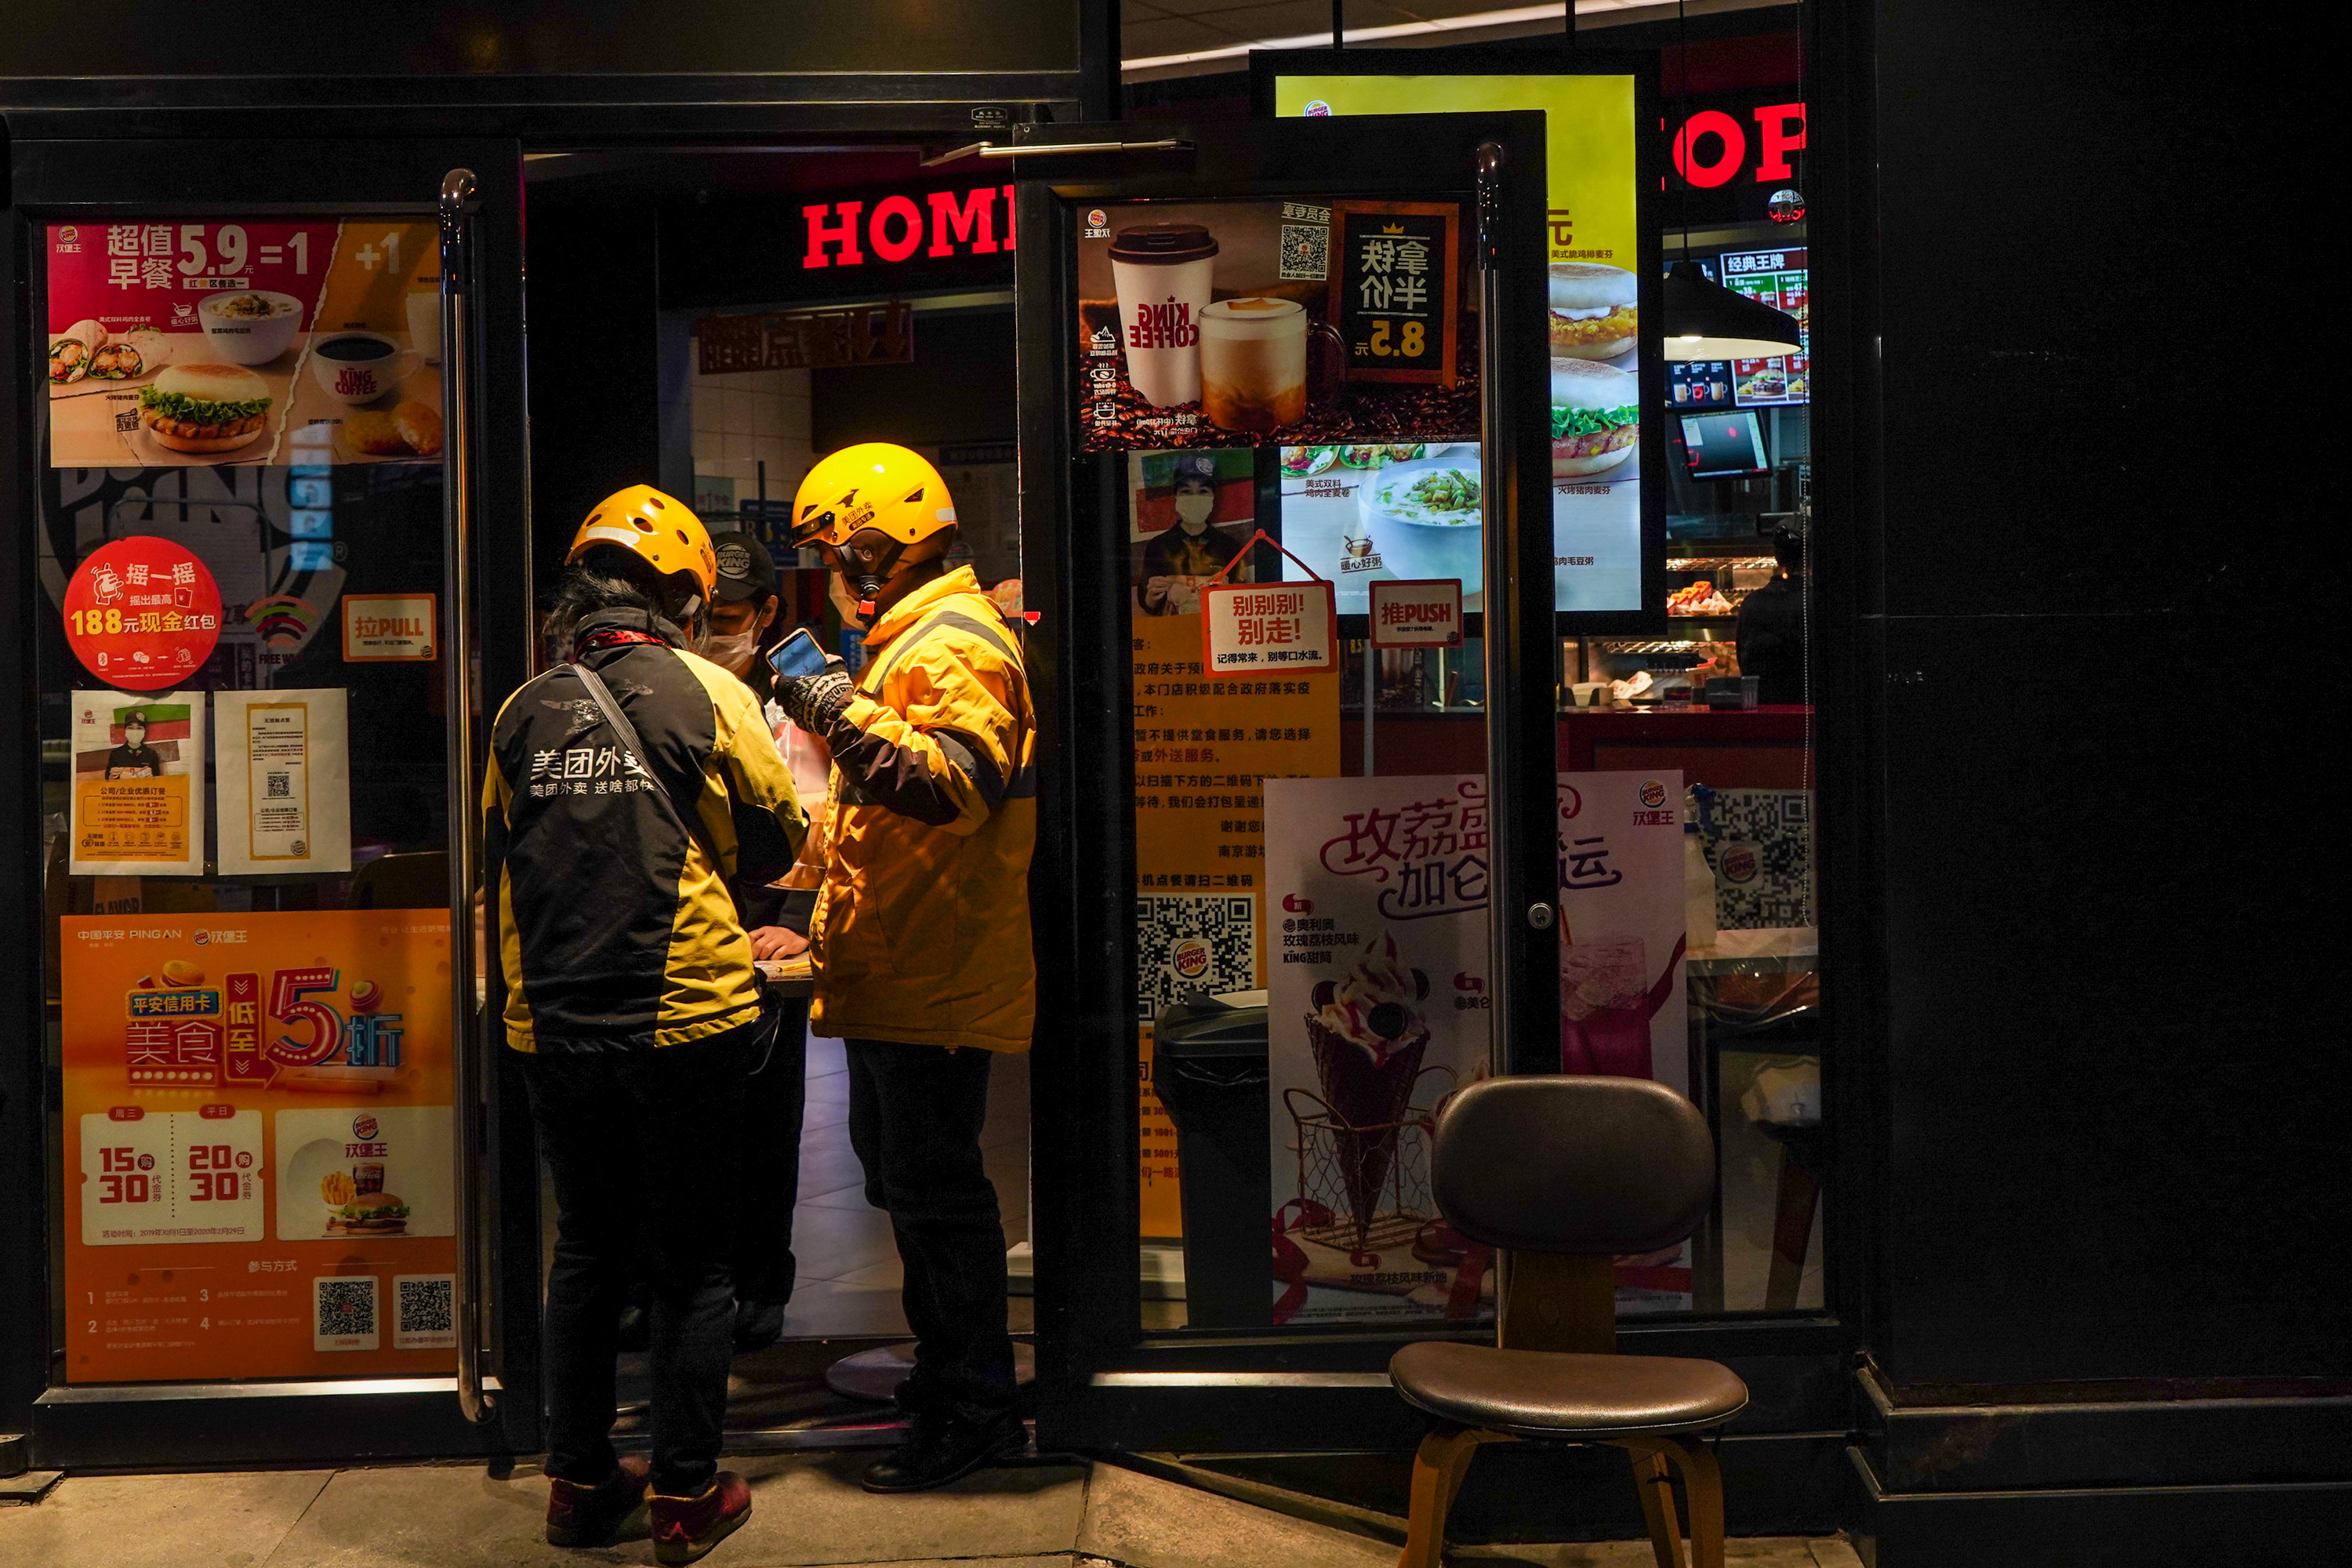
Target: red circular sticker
{"points": [[142, 613]]}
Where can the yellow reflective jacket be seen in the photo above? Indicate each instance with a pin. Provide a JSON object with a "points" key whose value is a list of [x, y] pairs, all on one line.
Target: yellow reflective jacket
{"points": [[921, 929]]}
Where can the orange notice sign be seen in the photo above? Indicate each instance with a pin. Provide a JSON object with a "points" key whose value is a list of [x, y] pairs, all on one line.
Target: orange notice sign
{"points": [[256, 1152]]}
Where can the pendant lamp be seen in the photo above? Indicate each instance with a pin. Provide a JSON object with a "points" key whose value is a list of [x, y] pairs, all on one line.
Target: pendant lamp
{"points": [[1706, 320]]}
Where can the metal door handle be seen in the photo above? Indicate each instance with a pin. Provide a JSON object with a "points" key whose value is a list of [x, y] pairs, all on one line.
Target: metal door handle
{"points": [[458, 207], [1054, 149]]}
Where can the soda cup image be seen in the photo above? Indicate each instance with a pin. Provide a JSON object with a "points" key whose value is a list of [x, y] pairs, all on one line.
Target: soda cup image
{"points": [[1162, 273], [1606, 1001]]}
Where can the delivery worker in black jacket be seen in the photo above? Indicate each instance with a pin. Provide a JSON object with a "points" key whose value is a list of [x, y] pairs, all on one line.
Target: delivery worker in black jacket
{"points": [[626, 787]]}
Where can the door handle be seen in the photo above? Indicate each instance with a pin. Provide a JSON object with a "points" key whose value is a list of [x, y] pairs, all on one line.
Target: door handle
{"points": [[458, 204], [1054, 149]]}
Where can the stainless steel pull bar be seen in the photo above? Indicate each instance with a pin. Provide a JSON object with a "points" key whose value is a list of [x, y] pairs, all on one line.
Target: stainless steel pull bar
{"points": [[457, 205], [1055, 149], [1502, 937]]}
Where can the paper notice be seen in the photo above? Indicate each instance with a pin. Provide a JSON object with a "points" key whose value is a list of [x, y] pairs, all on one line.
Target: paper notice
{"points": [[285, 781], [137, 796]]}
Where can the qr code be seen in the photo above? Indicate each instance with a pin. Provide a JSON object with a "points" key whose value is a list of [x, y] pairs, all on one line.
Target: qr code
{"points": [[343, 1312], [423, 1314], [1305, 252], [1760, 843], [1193, 941], [281, 786]]}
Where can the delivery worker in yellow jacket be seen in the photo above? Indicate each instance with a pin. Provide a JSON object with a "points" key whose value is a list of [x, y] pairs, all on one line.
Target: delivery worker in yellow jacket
{"points": [[920, 934]]}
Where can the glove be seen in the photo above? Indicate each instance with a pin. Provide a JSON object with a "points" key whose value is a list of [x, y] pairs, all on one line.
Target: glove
{"points": [[815, 702]]}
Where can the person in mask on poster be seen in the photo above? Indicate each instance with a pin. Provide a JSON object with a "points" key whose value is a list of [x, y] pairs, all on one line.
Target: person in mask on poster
{"points": [[920, 931], [134, 759], [1178, 561], [627, 787]]}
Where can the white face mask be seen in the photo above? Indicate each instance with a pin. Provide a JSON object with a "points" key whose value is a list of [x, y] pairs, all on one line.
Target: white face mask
{"points": [[1193, 511], [733, 654], [838, 592]]}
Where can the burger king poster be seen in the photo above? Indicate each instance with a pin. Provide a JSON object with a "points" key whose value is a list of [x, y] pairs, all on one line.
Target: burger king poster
{"points": [[1591, 135], [257, 1163], [1379, 1001], [246, 342]]}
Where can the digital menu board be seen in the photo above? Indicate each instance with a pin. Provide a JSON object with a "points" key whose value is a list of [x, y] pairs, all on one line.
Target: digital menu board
{"points": [[1777, 279], [1592, 146]]}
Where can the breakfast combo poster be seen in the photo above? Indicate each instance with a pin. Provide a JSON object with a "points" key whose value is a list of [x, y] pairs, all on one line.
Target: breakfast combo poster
{"points": [[179, 343], [1594, 317], [258, 1156]]}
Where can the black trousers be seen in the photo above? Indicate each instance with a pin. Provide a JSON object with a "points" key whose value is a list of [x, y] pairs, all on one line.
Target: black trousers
{"points": [[767, 1158], [639, 1144], [915, 1117]]}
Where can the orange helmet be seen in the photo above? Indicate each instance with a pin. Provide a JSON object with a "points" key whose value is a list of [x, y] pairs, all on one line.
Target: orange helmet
{"points": [[659, 529]]}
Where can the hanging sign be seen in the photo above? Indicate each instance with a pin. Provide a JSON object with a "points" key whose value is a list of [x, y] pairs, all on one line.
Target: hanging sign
{"points": [[1254, 628], [142, 613], [1392, 293], [1417, 613]]}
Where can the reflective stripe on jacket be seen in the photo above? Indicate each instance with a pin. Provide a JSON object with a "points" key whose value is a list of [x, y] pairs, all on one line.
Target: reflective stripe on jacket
{"points": [[922, 932], [616, 927]]}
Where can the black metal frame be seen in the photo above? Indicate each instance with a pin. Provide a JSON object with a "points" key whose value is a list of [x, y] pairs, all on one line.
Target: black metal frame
{"points": [[1556, 57], [1104, 1382], [258, 1422]]}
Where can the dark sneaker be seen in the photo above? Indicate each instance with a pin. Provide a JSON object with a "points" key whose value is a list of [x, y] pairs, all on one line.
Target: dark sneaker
{"points": [[592, 1516], [686, 1527], [943, 1449], [758, 1324]]}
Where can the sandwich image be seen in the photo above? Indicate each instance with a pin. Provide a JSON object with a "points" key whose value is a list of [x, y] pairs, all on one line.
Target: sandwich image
{"points": [[72, 351], [1595, 417], [134, 353], [369, 1213], [1592, 311], [205, 407], [360, 1213]]}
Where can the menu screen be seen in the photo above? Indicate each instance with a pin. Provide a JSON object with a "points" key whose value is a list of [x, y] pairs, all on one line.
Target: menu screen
{"points": [[1777, 279]]}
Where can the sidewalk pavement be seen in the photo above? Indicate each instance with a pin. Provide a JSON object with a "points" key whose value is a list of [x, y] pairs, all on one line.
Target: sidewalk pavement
{"points": [[808, 1511]]}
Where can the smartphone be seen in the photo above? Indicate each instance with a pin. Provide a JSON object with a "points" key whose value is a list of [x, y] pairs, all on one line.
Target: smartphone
{"points": [[798, 655]]}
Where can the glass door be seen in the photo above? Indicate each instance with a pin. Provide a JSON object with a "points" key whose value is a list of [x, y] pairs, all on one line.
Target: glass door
{"points": [[275, 518], [1285, 460]]}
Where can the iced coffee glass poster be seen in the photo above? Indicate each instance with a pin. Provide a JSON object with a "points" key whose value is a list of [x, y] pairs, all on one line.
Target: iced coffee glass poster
{"points": [[1594, 321]]}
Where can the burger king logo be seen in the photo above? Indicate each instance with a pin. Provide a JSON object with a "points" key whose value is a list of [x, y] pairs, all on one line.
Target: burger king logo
{"points": [[1189, 958], [1739, 863], [1653, 793], [734, 560], [1317, 109], [1098, 218], [364, 1128]]}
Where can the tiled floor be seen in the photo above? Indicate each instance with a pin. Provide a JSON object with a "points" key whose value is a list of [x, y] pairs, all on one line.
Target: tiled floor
{"points": [[807, 1510]]}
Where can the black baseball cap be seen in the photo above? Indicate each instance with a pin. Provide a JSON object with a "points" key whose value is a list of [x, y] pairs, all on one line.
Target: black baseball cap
{"points": [[745, 568]]}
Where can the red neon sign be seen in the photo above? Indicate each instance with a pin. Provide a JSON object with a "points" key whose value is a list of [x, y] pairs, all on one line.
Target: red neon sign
{"points": [[895, 226], [1711, 146]]}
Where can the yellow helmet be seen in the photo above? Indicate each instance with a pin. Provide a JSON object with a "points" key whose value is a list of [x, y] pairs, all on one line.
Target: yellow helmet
{"points": [[875, 485], [659, 529]]}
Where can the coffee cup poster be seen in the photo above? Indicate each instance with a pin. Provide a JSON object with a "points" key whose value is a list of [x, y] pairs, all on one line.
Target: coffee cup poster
{"points": [[1380, 1000], [1260, 323], [252, 342], [257, 1159]]}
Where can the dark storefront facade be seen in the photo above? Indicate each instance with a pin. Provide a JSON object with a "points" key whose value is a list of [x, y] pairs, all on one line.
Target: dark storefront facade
{"points": [[2024, 1240]]}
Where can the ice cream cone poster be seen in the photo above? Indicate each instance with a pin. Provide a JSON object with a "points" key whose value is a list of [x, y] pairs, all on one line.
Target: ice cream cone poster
{"points": [[1380, 1002], [1378, 1009], [256, 1163]]}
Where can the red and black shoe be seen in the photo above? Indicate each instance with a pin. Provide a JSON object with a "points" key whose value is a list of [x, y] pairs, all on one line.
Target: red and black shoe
{"points": [[594, 1516], [686, 1527]]}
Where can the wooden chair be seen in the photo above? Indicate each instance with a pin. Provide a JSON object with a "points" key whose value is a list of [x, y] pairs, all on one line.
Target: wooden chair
{"points": [[1561, 1175]]}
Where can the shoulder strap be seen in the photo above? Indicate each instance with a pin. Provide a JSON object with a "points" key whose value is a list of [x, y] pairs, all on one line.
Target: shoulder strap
{"points": [[602, 695]]}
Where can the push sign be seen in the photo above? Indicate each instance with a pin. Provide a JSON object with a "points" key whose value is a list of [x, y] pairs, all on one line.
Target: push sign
{"points": [[1253, 628], [1426, 613]]}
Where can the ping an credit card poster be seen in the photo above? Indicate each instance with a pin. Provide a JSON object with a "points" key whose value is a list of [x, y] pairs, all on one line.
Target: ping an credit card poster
{"points": [[256, 1165]]}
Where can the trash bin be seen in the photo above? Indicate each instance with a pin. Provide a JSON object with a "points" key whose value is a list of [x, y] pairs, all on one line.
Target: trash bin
{"points": [[1210, 1068]]}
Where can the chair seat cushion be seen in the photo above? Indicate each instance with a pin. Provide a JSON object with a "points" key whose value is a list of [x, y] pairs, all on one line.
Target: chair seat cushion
{"points": [[1545, 1393]]}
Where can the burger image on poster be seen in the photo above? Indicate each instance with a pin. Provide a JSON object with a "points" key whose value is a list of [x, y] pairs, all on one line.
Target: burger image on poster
{"points": [[1596, 417], [353, 1175], [1423, 518], [204, 409], [1593, 313]]}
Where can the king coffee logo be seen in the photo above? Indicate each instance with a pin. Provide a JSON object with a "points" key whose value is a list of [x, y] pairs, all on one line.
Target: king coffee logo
{"points": [[1165, 326]]}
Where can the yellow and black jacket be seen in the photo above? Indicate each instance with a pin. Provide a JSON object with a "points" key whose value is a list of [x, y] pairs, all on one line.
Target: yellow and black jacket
{"points": [[921, 930], [617, 928]]}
